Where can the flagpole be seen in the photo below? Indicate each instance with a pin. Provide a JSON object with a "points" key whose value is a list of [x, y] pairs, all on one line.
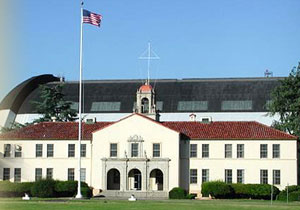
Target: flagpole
{"points": [[79, 195]]}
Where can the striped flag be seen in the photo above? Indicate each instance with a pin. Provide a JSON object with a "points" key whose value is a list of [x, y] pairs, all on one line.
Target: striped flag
{"points": [[91, 18]]}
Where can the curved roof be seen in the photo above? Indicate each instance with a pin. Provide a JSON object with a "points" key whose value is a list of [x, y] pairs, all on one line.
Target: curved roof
{"points": [[15, 98], [172, 95], [145, 88]]}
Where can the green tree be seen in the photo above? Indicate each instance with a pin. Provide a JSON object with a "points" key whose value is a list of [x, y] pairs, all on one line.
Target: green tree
{"points": [[285, 101], [52, 104]]}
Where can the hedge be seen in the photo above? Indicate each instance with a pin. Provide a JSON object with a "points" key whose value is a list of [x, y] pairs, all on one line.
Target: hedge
{"points": [[216, 189], [254, 191], [219, 189], [11, 189], [44, 188], [177, 193], [291, 189]]}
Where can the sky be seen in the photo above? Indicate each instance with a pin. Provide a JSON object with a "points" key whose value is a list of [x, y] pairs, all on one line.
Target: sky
{"points": [[193, 38]]}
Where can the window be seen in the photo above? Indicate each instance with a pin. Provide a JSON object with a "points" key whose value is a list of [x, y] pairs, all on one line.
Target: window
{"points": [[38, 174], [159, 105], [83, 150], [276, 176], [263, 151], [6, 174], [236, 105], [38, 150], [205, 150], [113, 150], [18, 151], [105, 106], [7, 150], [49, 174], [240, 151], [264, 176], [228, 176], [276, 150], [193, 150], [228, 150], [50, 150], [156, 150], [193, 176], [71, 150], [17, 175], [134, 149], [205, 175], [82, 174], [192, 105], [70, 174], [240, 176]]}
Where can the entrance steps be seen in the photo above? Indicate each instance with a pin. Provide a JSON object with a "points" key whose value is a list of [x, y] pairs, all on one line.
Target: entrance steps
{"points": [[116, 194]]}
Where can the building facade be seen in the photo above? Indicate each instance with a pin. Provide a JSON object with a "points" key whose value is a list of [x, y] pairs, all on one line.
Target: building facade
{"points": [[143, 155]]}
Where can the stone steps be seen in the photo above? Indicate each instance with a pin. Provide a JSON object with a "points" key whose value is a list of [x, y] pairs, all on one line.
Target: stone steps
{"points": [[116, 194]]}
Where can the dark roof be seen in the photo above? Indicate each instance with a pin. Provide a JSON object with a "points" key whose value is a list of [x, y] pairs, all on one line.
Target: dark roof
{"points": [[192, 130], [168, 91], [15, 98]]}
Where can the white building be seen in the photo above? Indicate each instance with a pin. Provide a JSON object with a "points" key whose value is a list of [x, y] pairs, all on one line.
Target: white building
{"points": [[140, 154]]}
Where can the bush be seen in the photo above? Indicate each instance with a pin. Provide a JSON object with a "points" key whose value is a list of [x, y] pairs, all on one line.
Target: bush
{"points": [[69, 189], [177, 193], [294, 196], [191, 196], [43, 188], [216, 189], [292, 188], [12, 189], [255, 191]]}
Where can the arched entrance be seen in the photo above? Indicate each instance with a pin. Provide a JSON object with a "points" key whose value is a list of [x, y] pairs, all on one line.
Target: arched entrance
{"points": [[145, 105], [134, 179], [113, 179], [156, 180]]}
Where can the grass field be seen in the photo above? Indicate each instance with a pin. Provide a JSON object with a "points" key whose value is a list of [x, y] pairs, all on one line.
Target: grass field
{"points": [[46, 204]]}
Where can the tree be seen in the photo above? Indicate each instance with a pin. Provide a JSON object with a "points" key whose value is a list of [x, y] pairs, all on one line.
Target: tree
{"points": [[285, 101], [52, 104]]}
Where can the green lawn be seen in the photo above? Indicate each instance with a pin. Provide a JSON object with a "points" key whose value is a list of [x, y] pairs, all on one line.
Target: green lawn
{"points": [[17, 204]]}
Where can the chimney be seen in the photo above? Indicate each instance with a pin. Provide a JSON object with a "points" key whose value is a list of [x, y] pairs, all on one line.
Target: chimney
{"points": [[193, 117], [53, 119]]}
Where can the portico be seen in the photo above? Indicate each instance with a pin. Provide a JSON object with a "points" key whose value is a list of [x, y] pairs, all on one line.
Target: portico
{"points": [[135, 174]]}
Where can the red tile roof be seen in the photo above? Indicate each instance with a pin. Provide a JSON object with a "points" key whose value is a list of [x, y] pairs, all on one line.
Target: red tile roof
{"points": [[54, 130], [193, 130], [228, 130]]}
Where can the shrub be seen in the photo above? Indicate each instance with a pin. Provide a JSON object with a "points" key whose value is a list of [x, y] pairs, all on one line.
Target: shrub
{"points": [[43, 188], [177, 193], [11, 189], [69, 189], [292, 188], [255, 191], [294, 196], [191, 196], [216, 189]]}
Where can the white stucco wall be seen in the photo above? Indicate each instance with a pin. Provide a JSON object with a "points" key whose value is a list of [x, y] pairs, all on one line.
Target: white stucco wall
{"points": [[28, 162], [150, 131], [251, 163]]}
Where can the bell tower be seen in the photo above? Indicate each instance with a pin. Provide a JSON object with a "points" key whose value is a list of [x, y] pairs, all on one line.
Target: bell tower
{"points": [[146, 101]]}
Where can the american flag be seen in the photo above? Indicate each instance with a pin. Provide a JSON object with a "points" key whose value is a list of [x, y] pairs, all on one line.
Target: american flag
{"points": [[91, 18]]}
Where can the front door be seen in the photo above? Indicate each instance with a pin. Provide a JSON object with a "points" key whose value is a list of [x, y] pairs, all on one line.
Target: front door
{"points": [[137, 181]]}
